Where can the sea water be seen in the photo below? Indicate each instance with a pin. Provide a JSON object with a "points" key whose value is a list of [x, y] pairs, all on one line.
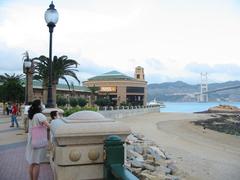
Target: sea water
{"points": [[189, 107]]}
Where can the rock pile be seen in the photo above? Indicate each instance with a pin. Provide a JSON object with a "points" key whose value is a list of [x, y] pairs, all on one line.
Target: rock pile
{"points": [[224, 109], [222, 122], [147, 160]]}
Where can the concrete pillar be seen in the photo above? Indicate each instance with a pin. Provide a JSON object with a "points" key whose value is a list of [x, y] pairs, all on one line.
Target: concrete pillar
{"points": [[121, 94], [30, 87], [145, 97], [45, 95]]}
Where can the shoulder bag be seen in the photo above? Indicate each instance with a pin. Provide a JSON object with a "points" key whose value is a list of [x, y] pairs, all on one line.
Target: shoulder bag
{"points": [[39, 137]]}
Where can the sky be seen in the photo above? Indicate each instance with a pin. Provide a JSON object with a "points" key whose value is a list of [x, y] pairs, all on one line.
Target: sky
{"points": [[173, 40]]}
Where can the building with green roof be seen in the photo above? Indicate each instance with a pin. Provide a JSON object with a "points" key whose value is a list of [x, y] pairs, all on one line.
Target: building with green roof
{"points": [[112, 75], [62, 90], [120, 88]]}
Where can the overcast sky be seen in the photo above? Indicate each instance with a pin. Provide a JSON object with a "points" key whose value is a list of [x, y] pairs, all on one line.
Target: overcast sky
{"points": [[172, 39]]}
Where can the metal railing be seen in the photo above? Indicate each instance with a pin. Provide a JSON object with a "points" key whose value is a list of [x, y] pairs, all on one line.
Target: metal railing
{"points": [[114, 160]]}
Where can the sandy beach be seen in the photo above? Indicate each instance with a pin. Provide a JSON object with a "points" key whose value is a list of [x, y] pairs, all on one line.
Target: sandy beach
{"points": [[198, 153]]}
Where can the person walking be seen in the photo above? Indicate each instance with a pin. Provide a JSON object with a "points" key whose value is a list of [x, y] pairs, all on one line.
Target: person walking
{"points": [[14, 115], [7, 109], [35, 156]]}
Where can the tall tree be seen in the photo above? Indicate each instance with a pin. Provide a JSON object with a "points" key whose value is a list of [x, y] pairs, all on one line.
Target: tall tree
{"points": [[41, 73], [12, 88], [61, 67], [93, 90]]}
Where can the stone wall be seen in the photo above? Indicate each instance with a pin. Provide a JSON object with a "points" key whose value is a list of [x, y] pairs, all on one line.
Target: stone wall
{"points": [[126, 112]]}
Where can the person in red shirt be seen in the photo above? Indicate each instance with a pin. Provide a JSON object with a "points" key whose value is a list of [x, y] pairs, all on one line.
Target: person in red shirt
{"points": [[14, 115]]}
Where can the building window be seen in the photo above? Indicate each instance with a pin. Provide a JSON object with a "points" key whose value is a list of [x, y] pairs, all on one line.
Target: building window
{"points": [[135, 89], [138, 76], [135, 100]]}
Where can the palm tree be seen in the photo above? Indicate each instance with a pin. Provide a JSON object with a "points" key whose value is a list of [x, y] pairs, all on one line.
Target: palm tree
{"points": [[61, 67], [41, 73], [6, 77], [11, 88]]}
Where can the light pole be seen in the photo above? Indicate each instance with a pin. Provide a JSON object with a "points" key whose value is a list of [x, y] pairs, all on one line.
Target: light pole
{"points": [[51, 18], [27, 68]]}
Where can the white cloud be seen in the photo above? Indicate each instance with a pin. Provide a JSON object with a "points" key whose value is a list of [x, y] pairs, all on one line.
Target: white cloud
{"points": [[162, 36], [216, 73]]}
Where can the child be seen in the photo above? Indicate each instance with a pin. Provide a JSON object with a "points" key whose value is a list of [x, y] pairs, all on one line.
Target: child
{"points": [[54, 115]]}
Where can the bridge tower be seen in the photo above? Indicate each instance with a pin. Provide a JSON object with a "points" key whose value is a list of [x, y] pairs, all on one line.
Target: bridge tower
{"points": [[204, 87]]}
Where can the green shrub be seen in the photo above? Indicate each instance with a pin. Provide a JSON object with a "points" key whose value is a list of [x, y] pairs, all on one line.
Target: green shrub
{"points": [[125, 103], [82, 102], [61, 101], [73, 102], [103, 102], [72, 110]]}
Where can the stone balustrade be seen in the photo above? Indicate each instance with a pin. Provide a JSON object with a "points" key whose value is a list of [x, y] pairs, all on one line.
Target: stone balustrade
{"points": [[121, 112], [78, 145]]}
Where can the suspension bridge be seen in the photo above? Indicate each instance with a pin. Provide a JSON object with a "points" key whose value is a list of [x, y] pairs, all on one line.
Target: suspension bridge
{"points": [[204, 91]]}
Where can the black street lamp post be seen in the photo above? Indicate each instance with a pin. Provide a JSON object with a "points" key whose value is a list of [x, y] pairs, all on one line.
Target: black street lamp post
{"points": [[51, 18]]}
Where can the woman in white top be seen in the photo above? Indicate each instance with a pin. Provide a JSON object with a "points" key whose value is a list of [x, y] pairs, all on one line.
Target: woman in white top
{"points": [[35, 156]]}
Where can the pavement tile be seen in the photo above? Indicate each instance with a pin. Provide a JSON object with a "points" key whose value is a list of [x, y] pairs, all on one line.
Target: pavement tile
{"points": [[13, 164]]}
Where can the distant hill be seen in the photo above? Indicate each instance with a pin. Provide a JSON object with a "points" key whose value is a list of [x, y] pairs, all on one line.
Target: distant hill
{"points": [[182, 92]]}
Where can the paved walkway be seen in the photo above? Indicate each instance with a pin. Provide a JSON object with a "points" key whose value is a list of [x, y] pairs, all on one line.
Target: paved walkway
{"points": [[13, 165]]}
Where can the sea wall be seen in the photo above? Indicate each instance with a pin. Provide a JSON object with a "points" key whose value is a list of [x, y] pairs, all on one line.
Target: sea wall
{"points": [[126, 112]]}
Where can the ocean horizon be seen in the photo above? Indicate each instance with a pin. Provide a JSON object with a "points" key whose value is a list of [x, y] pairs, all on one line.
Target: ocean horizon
{"points": [[190, 107]]}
